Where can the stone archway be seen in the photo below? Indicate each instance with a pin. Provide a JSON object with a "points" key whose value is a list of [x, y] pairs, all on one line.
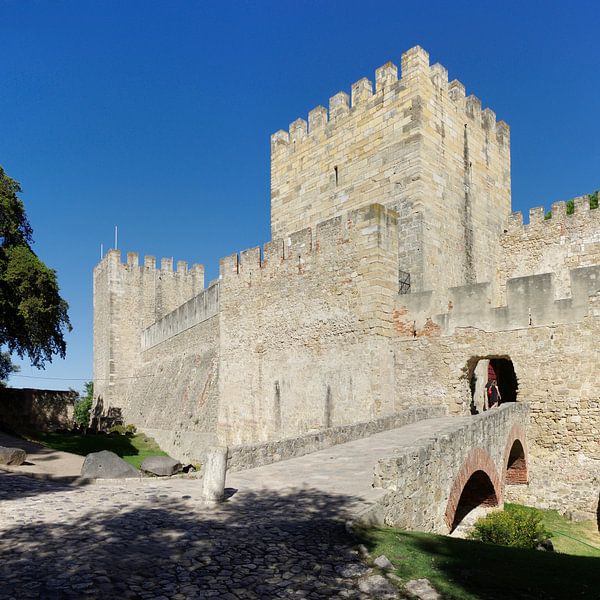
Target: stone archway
{"points": [[477, 484], [515, 458], [481, 369]]}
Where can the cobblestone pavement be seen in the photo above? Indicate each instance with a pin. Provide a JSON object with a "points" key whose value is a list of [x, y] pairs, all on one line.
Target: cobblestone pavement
{"points": [[158, 541]]}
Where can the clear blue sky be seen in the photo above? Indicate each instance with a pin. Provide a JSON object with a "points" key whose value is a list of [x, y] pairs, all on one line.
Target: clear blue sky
{"points": [[156, 116]]}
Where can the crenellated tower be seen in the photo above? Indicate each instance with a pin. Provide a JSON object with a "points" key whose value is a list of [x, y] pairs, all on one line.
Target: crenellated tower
{"points": [[127, 299], [416, 144]]}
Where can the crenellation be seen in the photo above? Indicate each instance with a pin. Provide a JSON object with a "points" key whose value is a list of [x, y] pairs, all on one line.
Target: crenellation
{"points": [[456, 91], [415, 63], [536, 214], [362, 92], [515, 221], [503, 133], [133, 259], [299, 243], [559, 210], [473, 107], [166, 265], [182, 266], [279, 140], [317, 119], [298, 130], [150, 262], [229, 266], [581, 204], [439, 76], [385, 77], [339, 106], [488, 118]]}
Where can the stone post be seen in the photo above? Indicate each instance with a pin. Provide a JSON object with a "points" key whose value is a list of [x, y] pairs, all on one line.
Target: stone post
{"points": [[215, 468]]}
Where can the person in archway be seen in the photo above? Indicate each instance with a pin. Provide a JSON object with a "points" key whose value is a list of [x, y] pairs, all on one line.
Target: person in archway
{"points": [[492, 394]]}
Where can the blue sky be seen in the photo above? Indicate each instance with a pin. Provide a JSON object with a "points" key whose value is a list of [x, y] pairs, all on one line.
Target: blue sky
{"points": [[156, 116]]}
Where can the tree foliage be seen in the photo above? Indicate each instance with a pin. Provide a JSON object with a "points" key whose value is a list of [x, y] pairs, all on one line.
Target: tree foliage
{"points": [[33, 316], [83, 406]]}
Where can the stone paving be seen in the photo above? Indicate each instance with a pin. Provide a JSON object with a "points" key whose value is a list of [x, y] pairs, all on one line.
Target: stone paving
{"points": [[280, 535]]}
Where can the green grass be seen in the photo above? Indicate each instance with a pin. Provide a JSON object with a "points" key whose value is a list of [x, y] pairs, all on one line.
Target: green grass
{"points": [[471, 570], [133, 448], [569, 537]]}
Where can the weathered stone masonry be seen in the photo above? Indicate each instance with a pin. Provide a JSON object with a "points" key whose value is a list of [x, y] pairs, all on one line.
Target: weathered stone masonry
{"points": [[405, 181]]}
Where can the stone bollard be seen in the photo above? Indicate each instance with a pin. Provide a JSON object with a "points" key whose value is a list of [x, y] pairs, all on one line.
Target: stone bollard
{"points": [[215, 469]]}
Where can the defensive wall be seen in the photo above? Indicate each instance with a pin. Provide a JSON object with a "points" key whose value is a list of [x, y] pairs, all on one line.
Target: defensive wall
{"points": [[40, 410], [432, 482]]}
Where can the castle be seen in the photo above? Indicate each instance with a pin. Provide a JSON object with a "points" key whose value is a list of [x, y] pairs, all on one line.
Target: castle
{"points": [[396, 277]]}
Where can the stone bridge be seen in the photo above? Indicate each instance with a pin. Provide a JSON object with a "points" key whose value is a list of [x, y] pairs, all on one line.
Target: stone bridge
{"points": [[425, 476], [434, 483]]}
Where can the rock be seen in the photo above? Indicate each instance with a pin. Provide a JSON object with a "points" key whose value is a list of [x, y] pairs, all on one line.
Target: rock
{"points": [[383, 563], [107, 465], [422, 589], [163, 466], [379, 587], [546, 545], [12, 456]]}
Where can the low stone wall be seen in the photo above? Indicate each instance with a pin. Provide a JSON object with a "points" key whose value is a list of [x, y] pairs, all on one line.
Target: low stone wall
{"points": [[41, 410], [256, 455]]}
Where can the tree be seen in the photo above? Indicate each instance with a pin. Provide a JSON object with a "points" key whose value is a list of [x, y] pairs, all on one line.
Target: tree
{"points": [[33, 316], [83, 405]]}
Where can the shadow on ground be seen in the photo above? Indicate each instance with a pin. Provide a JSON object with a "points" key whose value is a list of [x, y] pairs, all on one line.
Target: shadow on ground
{"points": [[258, 545], [468, 569]]}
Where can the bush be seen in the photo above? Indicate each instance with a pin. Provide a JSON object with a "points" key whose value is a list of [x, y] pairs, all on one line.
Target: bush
{"points": [[123, 429], [518, 527]]}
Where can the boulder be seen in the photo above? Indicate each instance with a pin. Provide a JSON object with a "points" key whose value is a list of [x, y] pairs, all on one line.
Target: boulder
{"points": [[163, 466], [383, 562], [12, 456], [422, 589], [107, 465]]}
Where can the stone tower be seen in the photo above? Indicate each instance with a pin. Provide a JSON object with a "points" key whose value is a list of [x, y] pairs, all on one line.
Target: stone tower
{"points": [[416, 144]]}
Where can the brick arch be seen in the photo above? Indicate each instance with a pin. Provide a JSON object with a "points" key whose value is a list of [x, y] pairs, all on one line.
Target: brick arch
{"points": [[517, 472], [478, 461]]}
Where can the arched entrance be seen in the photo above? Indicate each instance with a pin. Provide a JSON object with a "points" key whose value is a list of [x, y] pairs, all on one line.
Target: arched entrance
{"points": [[481, 371], [478, 491], [516, 466], [476, 484]]}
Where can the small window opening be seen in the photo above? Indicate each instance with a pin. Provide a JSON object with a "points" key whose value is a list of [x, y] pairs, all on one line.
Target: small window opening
{"points": [[336, 175]]}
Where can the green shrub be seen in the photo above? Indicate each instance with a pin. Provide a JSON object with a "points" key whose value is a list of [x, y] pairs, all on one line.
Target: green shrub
{"points": [[123, 429], [81, 412], [521, 528]]}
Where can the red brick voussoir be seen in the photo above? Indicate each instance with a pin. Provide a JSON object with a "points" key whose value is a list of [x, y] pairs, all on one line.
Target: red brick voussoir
{"points": [[518, 473], [478, 459]]}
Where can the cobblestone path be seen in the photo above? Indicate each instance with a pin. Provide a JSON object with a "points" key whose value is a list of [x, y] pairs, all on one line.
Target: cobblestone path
{"points": [[157, 541]]}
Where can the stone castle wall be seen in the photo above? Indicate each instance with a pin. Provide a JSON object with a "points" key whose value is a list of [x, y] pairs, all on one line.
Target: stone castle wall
{"points": [[39, 410], [555, 245], [304, 330]]}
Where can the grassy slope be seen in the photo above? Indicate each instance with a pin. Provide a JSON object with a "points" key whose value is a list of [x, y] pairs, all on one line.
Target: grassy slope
{"points": [[469, 570], [133, 449]]}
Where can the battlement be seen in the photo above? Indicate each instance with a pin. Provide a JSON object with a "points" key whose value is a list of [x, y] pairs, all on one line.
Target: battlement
{"points": [[373, 225], [415, 68], [558, 215], [532, 301], [132, 264]]}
